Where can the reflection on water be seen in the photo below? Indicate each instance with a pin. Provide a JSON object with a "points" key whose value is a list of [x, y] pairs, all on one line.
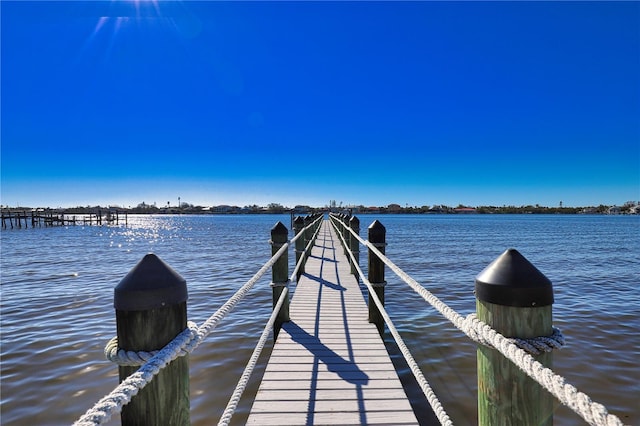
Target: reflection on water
{"points": [[57, 312]]}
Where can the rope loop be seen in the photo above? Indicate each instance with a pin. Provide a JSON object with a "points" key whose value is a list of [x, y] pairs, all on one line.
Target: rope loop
{"points": [[484, 334], [186, 340]]}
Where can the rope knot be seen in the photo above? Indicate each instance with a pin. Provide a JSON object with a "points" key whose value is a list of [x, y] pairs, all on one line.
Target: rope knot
{"points": [[187, 340], [482, 333]]}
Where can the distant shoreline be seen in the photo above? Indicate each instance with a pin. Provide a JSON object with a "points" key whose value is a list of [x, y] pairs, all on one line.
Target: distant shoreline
{"points": [[627, 208]]}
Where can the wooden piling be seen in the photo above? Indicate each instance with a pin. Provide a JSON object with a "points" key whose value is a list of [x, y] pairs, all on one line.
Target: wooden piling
{"points": [[298, 226], [279, 274], [151, 310], [339, 225], [354, 244], [377, 236], [346, 235], [514, 298], [308, 234]]}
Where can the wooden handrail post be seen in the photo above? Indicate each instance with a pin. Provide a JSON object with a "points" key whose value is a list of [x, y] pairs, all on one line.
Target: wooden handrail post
{"points": [[377, 236], [279, 274], [298, 226], [345, 233], [308, 235], [151, 310], [514, 298], [341, 227], [354, 244], [318, 224]]}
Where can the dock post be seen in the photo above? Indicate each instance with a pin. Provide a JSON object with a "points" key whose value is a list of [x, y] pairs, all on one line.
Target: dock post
{"points": [[279, 274], [298, 226], [346, 234], [377, 237], [345, 223], [308, 235], [514, 298], [151, 310], [354, 244], [338, 222]]}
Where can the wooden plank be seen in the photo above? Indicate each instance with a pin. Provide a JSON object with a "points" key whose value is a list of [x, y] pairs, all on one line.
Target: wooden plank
{"points": [[332, 357], [343, 405], [329, 365], [333, 418], [348, 374], [331, 394], [305, 385], [295, 366]]}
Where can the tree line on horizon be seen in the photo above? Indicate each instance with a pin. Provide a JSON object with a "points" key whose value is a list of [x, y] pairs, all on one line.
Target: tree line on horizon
{"points": [[630, 207]]}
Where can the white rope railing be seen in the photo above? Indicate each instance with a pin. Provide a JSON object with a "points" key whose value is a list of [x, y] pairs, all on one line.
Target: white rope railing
{"points": [[248, 371], [592, 412], [246, 374], [122, 394], [154, 361], [432, 398], [307, 249]]}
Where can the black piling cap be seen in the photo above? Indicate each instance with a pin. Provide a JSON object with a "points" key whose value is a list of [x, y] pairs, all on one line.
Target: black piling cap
{"points": [[299, 220], [377, 232], [151, 284], [511, 280], [354, 222], [279, 233]]}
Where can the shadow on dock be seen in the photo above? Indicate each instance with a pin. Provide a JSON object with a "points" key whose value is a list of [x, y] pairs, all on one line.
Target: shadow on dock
{"points": [[346, 369]]}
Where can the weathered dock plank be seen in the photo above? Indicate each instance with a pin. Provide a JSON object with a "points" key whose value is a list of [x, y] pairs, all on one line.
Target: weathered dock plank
{"points": [[329, 365]]}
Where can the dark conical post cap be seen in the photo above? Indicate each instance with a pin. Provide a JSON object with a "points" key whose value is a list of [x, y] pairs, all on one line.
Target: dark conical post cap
{"points": [[299, 220], [354, 222], [377, 232], [511, 280], [151, 284], [279, 233]]}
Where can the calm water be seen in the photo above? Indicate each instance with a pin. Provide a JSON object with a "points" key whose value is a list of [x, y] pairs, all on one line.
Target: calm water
{"points": [[57, 295]]}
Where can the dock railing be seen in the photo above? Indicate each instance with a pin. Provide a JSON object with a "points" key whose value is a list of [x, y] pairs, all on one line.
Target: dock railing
{"points": [[514, 299], [152, 297]]}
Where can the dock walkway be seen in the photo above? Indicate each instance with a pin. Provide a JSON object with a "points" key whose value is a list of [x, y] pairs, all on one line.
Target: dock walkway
{"points": [[329, 365]]}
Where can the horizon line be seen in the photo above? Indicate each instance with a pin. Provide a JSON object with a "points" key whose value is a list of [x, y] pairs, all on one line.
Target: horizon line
{"points": [[278, 206]]}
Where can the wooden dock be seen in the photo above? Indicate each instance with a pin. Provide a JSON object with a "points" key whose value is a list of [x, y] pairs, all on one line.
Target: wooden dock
{"points": [[329, 365], [22, 218]]}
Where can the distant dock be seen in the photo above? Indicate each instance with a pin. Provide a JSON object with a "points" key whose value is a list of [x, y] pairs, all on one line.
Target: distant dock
{"points": [[38, 218]]}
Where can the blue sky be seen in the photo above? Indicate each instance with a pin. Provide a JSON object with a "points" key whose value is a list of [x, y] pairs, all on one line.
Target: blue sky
{"points": [[419, 103]]}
